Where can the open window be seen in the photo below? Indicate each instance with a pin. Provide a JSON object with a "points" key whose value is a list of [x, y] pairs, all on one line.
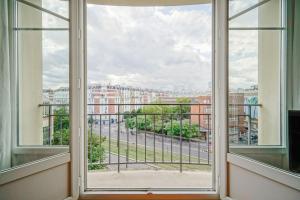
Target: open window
{"points": [[149, 122], [37, 77], [258, 81]]}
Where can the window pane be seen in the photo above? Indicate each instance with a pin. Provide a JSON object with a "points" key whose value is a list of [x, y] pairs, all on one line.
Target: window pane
{"points": [[149, 78], [39, 79], [30, 17], [60, 7], [257, 122], [236, 6], [259, 16]]}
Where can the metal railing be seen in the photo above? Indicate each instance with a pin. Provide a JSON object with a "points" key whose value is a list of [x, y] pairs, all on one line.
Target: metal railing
{"points": [[55, 124], [245, 128], [171, 134]]}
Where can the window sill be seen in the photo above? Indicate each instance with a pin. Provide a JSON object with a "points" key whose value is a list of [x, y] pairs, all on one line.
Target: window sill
{"points": [[47, 150], [28, 169], [149, 195], [275, 174]]}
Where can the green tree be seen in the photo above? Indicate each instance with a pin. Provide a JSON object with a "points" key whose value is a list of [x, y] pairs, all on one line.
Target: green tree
{"points": [[61, 119], [96, 152], [61, 136], [187, 130]]}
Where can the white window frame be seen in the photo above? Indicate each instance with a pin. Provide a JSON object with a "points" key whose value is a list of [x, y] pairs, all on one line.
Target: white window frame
{"points": [[57, 158], [219, 73], [273, 173]]}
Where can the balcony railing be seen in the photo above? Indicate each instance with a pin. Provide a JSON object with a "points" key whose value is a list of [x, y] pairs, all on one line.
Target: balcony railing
{"points": [[151, 134], [125, 135]]}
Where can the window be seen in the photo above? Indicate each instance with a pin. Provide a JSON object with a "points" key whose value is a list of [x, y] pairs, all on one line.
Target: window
{"points": [[153, 65], [258, 81], [39, 80]]}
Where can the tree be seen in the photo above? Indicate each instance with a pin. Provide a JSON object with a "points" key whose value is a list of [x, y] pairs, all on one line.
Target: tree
{"points": [[61, 127], [61, 136], [61, 119], [96, 152], [187, 130]]}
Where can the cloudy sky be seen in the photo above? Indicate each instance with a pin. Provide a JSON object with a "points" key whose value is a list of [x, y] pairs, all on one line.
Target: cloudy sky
{"points": [[165, 48]]}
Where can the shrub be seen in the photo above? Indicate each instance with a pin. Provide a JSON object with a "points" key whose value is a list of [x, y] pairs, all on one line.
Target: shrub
{"points": [[96, 152]]}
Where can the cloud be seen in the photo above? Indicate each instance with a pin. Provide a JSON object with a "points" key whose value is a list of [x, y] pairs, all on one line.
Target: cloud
{"points": [[150, 47], [243, 59], [55, 46], [165, 48]]}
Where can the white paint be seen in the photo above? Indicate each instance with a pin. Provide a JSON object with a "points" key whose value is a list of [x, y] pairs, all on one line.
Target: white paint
{"points": [[30, 64]]}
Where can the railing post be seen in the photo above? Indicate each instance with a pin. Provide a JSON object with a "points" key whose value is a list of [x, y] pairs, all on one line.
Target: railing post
{"points": [[136, 139], [249, 124], [190, 123], [49, 122], [208, 131], [109, 139], [198, 143], [100, 134], [127, 148], [180, 137], [118, 142], [145, 126], [154, 154], [61, 137], [162, 138], [171, 138], [91, 140]]}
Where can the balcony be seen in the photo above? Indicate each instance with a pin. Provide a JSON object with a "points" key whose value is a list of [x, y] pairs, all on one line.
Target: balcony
{"points": [[150, 142]]}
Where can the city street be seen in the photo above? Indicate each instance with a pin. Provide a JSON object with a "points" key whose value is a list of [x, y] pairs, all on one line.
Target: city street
{"points": [[194, 148]]}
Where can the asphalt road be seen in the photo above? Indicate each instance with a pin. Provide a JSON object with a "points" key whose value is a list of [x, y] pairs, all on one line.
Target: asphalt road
{"points": [[194, 148]]}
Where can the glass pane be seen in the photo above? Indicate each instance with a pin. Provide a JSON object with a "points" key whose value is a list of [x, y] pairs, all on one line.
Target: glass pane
{"points": [[29, 17], [236, 6], [257, 103], [260, 16], [39, 87], [44, 73], [60, 7], [254, 84]]}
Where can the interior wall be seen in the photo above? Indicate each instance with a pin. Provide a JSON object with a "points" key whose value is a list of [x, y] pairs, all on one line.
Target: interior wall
{"points": [[51, 184], [246, 185]]}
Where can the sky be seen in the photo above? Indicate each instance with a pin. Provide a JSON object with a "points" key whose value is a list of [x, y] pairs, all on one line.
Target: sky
{"points": [[167, 48], [164, 48]]}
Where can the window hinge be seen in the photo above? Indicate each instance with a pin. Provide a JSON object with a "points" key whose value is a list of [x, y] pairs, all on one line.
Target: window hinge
{"points": [[79, 132], [78, 83]]}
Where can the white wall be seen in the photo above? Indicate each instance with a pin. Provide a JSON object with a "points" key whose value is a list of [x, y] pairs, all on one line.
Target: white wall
{"points": [[246, 185], [51, 184]]}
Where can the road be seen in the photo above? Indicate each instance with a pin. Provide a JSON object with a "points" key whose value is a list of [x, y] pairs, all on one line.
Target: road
{"points": [[194, 148]]}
